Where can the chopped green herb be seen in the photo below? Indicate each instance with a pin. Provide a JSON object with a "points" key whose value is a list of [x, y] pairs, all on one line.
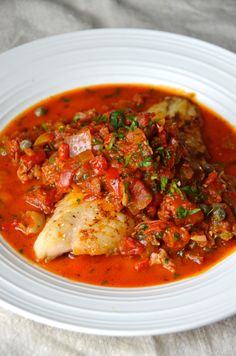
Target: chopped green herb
{"points": [[133, 125], [126, 187], [147, 162], [120, 135], [194, 211], [127, 159], [76, 117], [51, 146], [61, 128], [78, 201], [164, 182], [101, 118], [176, 236], [164, 153], [116, 119], [65, 99], [166, 260], [181, 212], [111, 143], [85, 176], [159, 235], [144, 227], [154, 176], [175, 189], [194, 192], [40, 111], [119, 159], [51, 159], [127, 191], [159, 149], [44, 126]]}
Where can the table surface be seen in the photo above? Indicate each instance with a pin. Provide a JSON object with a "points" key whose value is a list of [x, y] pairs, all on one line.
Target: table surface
{"points": [[26, 20]]}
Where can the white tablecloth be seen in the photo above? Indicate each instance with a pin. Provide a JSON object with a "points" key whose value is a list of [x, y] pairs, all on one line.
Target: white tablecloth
{"points": [[26, 20]]}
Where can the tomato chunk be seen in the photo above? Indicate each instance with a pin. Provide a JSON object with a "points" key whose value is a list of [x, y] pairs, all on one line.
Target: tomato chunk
{"points": [[63, 151], [36, 158], [99, 165], [176, 237], [141, 265], [131, 247], [113, 181]]}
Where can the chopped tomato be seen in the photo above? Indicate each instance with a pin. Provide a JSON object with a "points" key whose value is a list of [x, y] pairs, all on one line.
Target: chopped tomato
{"points": [[8, 225], [183, 212], [63, 151], [143, 264], [140, 196], [107, 140], [36, 158], [65, 179], [113, 181], [41, 198], [144, 119], [131, 247], [99, 165], [176, 237], [211, 178]]}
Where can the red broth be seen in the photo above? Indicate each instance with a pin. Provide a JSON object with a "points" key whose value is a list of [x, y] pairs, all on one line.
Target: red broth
{"points": [[113, 271]]}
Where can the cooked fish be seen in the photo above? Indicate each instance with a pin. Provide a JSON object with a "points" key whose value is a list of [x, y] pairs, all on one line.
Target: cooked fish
{"points": [[187, 116], [89, 227]]}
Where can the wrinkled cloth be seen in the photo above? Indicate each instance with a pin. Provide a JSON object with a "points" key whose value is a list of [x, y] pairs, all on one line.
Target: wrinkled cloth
{"points": [[26, 20]]}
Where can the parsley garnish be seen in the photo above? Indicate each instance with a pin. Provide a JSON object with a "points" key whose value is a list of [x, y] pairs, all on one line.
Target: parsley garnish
{"points": [[147, 162], [44, 126], [127, 159], [76, 117], [117, 119], [111, 143], [143, 227], [101, 118], [176, 236], [164, 182], [181, 212]]}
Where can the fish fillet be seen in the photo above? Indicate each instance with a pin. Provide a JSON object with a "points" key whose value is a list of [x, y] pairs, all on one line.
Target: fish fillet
{"points": [[90, 227]]}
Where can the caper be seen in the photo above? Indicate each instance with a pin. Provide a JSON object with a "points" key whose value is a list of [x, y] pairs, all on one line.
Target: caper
{"points": [[40, 111], [24, 144], [218, 214], [208, 168]]}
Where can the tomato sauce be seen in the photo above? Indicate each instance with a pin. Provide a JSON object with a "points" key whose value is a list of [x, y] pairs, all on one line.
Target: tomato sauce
{"points": [[112, 271]]}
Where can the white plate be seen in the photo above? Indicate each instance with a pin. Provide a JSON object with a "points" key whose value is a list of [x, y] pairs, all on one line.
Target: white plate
{"points": [[35, 71]]}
